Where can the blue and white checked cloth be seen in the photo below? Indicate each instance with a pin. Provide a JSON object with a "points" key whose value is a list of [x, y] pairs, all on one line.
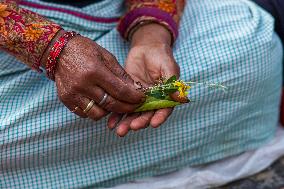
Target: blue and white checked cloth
{"points": [[43, 145]]}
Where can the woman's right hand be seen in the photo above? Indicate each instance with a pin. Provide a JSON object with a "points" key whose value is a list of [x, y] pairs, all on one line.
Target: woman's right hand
{"points": [[85, 72]]}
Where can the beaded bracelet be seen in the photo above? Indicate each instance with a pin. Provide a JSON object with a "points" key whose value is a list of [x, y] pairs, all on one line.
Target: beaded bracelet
{"points": [[55, 52]]}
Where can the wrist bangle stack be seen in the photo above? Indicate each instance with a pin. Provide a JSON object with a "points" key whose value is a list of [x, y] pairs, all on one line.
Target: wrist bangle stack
{"points": [[55, 53], [145, 15]]}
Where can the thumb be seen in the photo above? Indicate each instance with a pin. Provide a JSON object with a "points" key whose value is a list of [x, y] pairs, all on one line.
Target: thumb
{"points": [[170, 69], [169, 72], [175, 97]]}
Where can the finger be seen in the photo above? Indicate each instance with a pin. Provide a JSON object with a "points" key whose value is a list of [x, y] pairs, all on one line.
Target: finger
{"points": [[95, 113], [142, 121], [70, 100], [78, 111], [108, 102], [117, 88], [113, 120], [169, 71], [72, 103], [160, 117], [124, 125], [176, 97], [171, 68], [112, 64]]}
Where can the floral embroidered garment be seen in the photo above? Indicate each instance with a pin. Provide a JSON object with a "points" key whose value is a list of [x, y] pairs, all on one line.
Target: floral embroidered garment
{"points": [[25, 34]]}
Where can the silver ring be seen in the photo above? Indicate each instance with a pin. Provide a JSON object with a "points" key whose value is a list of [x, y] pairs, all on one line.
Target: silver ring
{"points": [[103, 100]]}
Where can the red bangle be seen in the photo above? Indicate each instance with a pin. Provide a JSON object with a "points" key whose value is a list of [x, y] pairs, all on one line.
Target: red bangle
{"points": [[55, 52]]}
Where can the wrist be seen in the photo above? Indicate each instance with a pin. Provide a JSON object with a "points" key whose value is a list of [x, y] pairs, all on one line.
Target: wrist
{"points": [[151, 33], [50, 45], [56, 51]]}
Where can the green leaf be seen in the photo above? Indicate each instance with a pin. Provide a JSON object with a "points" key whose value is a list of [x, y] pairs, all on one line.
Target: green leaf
{"points": [[152, 103], [171, 79], [170, 90], [156, 94]]}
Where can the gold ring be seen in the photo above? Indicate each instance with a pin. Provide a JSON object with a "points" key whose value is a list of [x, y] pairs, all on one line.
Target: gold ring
{"points": [[89, 106], [75, 109]]}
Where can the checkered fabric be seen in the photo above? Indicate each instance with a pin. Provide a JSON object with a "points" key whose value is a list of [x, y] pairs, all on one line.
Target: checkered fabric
{"points": [[43, 145]]}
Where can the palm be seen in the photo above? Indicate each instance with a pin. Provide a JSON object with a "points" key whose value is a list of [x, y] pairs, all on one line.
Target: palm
{"points": [[147, 64], [140, 72]]}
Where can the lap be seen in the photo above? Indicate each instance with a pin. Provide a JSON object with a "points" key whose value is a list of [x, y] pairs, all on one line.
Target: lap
{"points": [[220, 41]]}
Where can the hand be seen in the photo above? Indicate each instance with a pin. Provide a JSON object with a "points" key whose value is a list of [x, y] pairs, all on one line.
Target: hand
{"points": [[149, 59], [85, 72]]}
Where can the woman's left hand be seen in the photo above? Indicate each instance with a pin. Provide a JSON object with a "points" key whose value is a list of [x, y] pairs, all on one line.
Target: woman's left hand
{"points": [[150, 58]]}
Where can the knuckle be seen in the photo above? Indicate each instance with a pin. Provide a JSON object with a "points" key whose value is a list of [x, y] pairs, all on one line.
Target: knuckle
{"points": [[123, 91], [109, 104], [124, 76], [88, 74], [128, 108], [76, 87]]}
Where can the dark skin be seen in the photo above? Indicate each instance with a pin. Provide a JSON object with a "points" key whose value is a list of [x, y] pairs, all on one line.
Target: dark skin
{"points": [[87, 71]]}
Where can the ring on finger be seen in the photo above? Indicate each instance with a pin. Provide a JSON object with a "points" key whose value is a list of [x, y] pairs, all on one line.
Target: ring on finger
{"points": [[75, 109], [103, 99], [89, 106]]}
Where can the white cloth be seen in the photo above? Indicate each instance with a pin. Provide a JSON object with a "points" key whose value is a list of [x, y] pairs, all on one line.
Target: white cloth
{"points": [[217, 173]]}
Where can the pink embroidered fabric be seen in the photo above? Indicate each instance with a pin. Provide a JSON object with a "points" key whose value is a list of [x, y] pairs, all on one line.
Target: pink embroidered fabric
{"points": [[25, 34], [164, 12]]}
